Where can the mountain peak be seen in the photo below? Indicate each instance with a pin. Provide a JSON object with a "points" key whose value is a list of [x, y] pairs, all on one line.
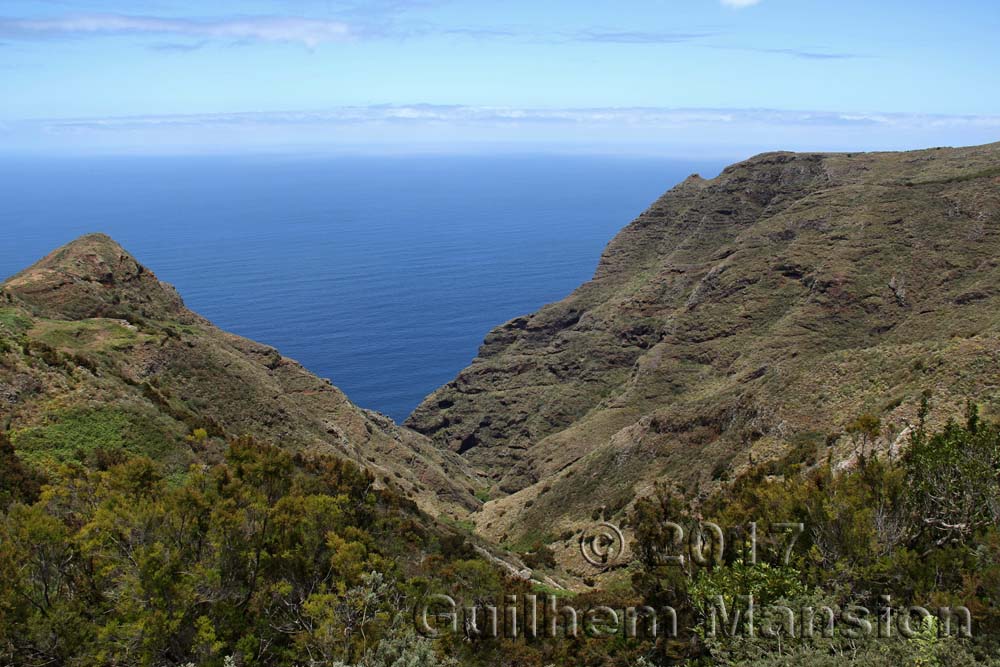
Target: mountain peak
{"points": [[94, 276]]}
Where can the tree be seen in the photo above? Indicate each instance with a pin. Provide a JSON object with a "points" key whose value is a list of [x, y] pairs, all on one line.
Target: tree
{"points": [[864, 431], [18, 483], [954, 476]]}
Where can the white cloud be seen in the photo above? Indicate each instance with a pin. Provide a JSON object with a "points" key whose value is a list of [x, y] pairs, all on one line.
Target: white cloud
{"points": [[739, 4], [648, 117], [310, 32], [425, 128]]}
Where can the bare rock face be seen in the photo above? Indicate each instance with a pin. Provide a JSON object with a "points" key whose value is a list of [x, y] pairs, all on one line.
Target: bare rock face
{"points": [[736, 320], [96, 353]]}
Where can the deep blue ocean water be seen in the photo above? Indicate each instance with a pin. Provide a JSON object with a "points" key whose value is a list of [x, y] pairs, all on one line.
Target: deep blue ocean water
{"points": [[382, 274]]}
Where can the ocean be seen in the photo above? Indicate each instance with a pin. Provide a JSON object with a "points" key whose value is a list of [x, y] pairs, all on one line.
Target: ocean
{"points": [[380, 273]]}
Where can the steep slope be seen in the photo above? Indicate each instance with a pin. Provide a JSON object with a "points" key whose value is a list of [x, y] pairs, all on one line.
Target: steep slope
{"points": [[741, 319], [96, 354]]}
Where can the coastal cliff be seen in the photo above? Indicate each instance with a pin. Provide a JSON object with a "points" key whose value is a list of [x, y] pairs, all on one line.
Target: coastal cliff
{"points": [[743, 319]]}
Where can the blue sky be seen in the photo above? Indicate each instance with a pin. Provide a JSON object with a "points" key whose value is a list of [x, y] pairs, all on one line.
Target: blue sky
{"points": [[682, 76]]}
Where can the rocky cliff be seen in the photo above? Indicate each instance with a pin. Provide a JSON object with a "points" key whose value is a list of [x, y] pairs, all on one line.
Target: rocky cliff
{"points": [[748, 318]]}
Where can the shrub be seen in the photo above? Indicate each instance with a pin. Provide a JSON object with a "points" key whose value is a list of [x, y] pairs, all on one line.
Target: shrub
{"points": [[18, 483], [540, 556]]}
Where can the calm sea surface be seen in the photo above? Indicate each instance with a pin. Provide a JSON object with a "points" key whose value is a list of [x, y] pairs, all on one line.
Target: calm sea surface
{"points": [[382, 274]]}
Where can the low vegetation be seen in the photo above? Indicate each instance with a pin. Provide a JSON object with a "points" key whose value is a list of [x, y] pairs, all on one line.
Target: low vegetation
{"points": [[274, 558], [922, 530], [264, 559]]}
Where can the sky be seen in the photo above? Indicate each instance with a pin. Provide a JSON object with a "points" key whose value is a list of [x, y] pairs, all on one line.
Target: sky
{"points": [[711, 78]]}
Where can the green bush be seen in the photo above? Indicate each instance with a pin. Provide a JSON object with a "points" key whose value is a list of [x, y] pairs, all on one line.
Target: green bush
{"points": [[74, 433]]}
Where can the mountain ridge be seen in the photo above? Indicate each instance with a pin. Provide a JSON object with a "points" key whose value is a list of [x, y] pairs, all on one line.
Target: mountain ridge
{"points": [[737, 320], [98, 352]]}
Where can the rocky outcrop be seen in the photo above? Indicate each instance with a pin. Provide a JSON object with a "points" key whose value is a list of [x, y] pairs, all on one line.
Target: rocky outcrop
{"points": [[94, 277]]}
